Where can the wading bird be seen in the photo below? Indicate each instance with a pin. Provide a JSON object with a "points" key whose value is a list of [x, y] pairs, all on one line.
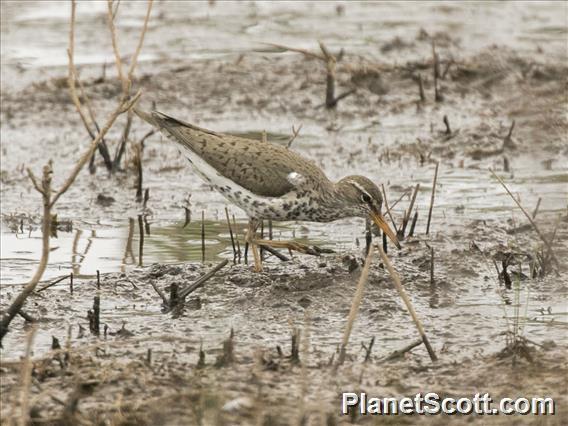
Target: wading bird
{"points": [[269, 181]]}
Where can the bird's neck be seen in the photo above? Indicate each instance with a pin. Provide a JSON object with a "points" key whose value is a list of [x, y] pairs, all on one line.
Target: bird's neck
{"points": [[335, 200]]}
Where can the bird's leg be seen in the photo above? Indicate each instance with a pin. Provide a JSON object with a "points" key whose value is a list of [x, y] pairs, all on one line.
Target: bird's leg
{"points": [[251, 240], [291, 245]]}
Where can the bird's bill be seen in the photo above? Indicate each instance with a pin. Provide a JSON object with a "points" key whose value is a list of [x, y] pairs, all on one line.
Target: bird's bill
{"points": [[381, 223]]}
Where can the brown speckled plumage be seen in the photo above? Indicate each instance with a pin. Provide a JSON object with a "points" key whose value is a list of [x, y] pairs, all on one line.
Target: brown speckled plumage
{"points": [[269, 181]]}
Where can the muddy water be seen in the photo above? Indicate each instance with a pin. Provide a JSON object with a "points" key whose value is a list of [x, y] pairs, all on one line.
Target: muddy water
{"points": [[199, 75]]}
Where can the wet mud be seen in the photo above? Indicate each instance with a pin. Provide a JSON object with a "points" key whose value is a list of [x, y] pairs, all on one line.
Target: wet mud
{"points": [[250, 348]]}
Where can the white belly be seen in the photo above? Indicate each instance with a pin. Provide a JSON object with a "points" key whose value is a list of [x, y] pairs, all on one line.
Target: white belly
{"points": [[286, 207]]}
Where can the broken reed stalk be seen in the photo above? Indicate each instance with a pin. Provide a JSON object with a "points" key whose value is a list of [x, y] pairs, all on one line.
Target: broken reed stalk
{"points": [[409, 211], [421, 89], [275, 253], [261, 238], [447, 124], [71, 282], [436, 72], [355, 304], [330, 63], [174, 295], [407, 302], [432, 198], [192, 287], [203, 236], [126, 83], [26, 379], [532, 222], [160, 293], [57, 281], [385, 243], [368, 237], [123, 140], [369, 349], [97, 315], [232, 236], [535, 211], [413, 225], [138, 156], [141, 240], [295, 133], [400, 352], [237, 239], [98, 279], [432, 266], [388, 209], [396, 202]]}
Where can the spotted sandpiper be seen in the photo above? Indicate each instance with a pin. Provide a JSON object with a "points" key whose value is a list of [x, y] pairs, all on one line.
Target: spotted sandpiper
{"points": [[269, 181]]}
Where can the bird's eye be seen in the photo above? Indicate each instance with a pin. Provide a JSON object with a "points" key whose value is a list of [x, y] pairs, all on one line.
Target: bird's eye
{"points": [[365, 198]]}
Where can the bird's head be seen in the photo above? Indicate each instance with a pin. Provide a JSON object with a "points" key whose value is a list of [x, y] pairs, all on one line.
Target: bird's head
{"points": [[363, 199]]}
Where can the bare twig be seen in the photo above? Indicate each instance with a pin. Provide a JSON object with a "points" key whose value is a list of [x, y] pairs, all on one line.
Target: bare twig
{"points": [[413, 225], [232, 236], [406, 300], [298, 50], [237, 239], [409, 211], [123, 106], [203, 236], [432, 282], [528, 216], [295, 133], [398, 353], [388, 209], [160, 293], [123, 140], [355, 304], [421, 88], [191, 288], [535, 211], [53, 283], [26, 379], [117, 60], [34, 181], [140, 240], [134, 59]]}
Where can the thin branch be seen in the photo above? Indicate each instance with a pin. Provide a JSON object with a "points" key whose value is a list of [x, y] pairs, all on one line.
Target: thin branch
{"points": [[432, 198], [388, 209], [528, 216], [117, 59], [298, 50], [295, 133], [406, 300], [26, 379], [140, 43], [355, 304], [124, 106], [34, 181]]}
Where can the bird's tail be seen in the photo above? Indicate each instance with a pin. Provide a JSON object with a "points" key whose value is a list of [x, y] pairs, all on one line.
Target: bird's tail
{"points": [[168, 123]]}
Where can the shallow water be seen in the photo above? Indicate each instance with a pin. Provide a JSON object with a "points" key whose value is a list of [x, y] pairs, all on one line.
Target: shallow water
{"points": [[192, 67], [204, 32]]}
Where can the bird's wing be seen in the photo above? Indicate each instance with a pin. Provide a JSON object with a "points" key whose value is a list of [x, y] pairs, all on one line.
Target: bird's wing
{"points": [[262, 168]]}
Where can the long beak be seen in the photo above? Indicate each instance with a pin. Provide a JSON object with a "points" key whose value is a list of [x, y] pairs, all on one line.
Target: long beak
{"points": [[381, 223]]}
